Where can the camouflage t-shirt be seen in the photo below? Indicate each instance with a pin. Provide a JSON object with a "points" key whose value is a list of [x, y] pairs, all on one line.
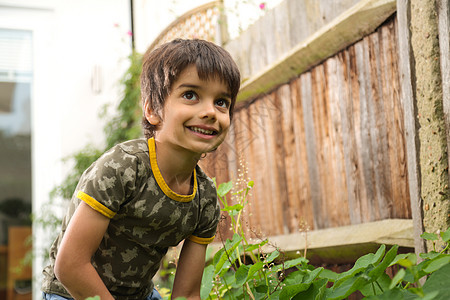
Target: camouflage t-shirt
{"points": [[125, 185]]}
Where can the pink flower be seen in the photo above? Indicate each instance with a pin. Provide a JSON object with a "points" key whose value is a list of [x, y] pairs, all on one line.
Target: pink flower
{"points": [[116, 24], [129, 33], [262, 5]]}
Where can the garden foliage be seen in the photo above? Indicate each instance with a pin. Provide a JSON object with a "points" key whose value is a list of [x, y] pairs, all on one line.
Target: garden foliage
{"points": [[270, 276]]}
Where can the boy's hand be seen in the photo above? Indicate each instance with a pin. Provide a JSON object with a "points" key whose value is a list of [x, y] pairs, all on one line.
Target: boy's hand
{"points": [[188, 277]]}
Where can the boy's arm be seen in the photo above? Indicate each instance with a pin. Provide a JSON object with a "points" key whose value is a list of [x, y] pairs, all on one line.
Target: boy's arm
{"points": [[73, 266], [188, 277]]}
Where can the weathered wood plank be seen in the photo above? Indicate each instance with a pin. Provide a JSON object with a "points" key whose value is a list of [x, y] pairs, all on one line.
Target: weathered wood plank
{"points": [[314, 179], [443, 10], [323, 145], [260, 170], [276, 162], [394, 120], [339, 199], [352, 170], [292, 202], [407, 100], [352, 25], [370, 207], [382, 166], [304, 208]]}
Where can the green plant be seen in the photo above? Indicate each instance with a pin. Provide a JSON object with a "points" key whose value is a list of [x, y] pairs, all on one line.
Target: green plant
{"points": [[270, 276]]}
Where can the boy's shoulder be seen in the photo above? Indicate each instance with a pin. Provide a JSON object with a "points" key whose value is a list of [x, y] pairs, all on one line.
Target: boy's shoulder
{"points": [[124, 153], [204, 180], [133, 146]]}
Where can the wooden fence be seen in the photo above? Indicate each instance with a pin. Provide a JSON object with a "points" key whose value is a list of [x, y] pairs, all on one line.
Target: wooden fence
{"points": [[319, 126], [327, 149]]}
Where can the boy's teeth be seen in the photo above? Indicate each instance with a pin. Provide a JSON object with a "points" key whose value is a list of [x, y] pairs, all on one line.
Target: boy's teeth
{"points": [[203, 131]]}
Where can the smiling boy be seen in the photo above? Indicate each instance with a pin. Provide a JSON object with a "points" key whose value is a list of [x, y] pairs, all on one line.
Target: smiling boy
{"points": [[146, 195]]}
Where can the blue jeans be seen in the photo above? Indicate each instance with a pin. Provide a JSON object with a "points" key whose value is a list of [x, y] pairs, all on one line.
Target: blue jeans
{"points": [[153, 296]]}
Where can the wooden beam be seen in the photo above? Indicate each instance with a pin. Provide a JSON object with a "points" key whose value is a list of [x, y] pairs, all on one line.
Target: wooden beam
{"points": [[342, 244], [410, 112], [346, 243], [357, 22], [443, 8]]}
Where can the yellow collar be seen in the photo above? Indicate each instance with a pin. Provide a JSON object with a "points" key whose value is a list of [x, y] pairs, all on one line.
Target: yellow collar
{"points": [[160, 180]]}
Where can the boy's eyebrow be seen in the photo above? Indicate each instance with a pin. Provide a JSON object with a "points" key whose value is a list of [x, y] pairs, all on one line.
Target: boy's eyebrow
{"points": [[199, 87]]}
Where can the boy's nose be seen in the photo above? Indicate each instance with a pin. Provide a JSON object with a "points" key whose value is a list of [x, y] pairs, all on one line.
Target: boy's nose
{"points": [[208, 110]]}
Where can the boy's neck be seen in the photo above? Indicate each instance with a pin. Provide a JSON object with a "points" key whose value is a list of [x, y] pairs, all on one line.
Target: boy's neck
{"points": [[176, 167]]}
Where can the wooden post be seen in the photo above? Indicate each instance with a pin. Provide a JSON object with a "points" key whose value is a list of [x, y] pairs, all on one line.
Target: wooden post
{"points": [[410, 112], [444, 42]]}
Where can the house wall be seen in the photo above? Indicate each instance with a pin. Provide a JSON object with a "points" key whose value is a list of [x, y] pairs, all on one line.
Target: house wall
{"points": [[75, 44]]}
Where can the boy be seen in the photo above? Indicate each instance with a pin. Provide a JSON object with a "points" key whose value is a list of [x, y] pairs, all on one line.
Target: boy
{"points": [[146, 195]]}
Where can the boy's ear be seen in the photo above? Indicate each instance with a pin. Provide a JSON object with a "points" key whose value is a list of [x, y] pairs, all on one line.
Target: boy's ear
{"points": [[150, 115]]}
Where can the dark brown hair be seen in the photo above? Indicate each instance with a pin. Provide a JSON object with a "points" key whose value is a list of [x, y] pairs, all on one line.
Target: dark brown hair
{"points": [[162, 66]]}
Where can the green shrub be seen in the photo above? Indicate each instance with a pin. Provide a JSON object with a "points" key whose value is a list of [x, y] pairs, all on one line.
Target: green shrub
{"points": [[266, 276]]}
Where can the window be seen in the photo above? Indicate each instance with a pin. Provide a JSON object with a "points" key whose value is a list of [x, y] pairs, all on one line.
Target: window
{"points": [[15, 128]]}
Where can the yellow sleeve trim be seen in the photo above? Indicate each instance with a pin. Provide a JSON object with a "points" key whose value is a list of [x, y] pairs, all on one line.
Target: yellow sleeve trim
{"points": [[96, 205], [160, 180], [202, 241]]}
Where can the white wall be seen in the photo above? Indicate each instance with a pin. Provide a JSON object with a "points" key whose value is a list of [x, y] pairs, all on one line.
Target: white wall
{"points": [[70, 40]]}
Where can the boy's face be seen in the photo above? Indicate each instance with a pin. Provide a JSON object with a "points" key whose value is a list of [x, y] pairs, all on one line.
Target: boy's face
{"points": [[196, 115]]}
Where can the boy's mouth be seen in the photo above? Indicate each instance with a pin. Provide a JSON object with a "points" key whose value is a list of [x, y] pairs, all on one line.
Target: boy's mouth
{"points": [[203, 131]]}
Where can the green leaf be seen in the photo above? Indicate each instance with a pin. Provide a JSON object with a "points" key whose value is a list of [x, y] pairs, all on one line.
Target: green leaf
{"points": [[439, 281], [398, 257], [241, 275], [262, 289], [429, 236], [377, 287], [234, 209], [314, 292], [347, 287], [252, 247], [430, 255], [409, 261], [224, 188], [294, 277], [255, 268], [291, 290], [223, 256], [437, 263], [395, 294], [397, 278], [272, 256], [310, 276], [446, 235], [379, 254], [207, 281], [329, 275], [290, 263], [381, 268], [418, 291], [360, 265]]}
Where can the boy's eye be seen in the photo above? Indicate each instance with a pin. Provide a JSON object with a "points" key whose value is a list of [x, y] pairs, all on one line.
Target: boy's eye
{"points": [[223, 103], [190, 96]]}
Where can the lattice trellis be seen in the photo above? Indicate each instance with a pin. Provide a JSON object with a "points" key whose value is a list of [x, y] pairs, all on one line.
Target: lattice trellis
{"points": [[204, 22]]}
